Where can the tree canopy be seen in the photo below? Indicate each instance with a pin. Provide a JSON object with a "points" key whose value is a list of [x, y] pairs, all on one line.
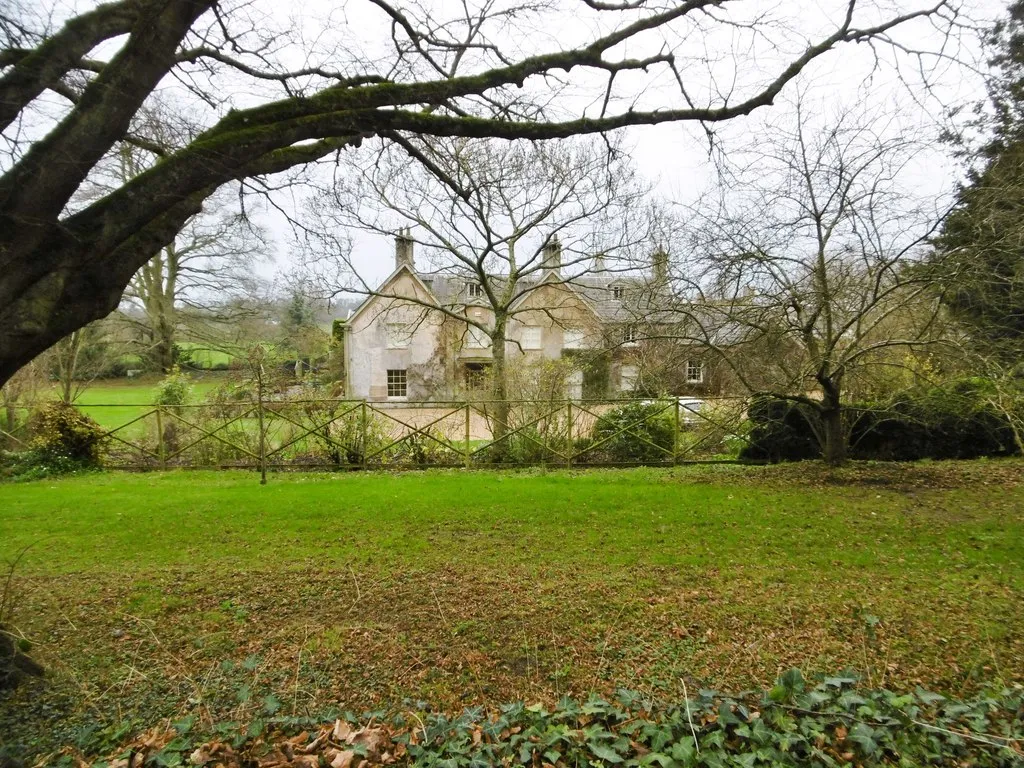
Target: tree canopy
{"points": [[72, 92], [980, 253]]}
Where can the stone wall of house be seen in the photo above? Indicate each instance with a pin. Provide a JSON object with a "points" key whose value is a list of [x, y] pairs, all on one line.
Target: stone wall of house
{"points": [[371, 352]]}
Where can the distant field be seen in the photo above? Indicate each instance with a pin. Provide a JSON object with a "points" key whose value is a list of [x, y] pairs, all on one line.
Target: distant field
{"points": [[200, 593], [113, 402], [204, 357]]}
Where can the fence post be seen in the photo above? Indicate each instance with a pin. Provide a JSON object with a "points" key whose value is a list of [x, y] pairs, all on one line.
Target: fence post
{"points": [[161, 449], [263, 432], [568, 414], [469, 460], [363, 427], [675, 436]]}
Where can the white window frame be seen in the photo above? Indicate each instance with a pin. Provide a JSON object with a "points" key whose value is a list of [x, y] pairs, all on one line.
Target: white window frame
{"points": [[691, 377], [474, 290], [399, 335], [630, 334], [397, 378], [573, 338], [618, 292], [532, 337], [476, 338]]}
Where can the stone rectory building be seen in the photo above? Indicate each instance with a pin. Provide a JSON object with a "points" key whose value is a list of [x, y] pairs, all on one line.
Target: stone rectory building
{"points": [[399, 346]]}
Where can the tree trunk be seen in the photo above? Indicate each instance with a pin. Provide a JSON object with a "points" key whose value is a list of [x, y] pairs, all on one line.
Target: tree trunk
{"points": [[834, 449], [164, 353], [499, 385]]}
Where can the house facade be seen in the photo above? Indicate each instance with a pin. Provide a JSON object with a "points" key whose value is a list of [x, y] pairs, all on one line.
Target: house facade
{"points": [[575, 337]]}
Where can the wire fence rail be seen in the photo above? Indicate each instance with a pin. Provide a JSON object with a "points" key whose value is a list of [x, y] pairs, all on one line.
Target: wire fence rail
{"points": [[365, 435]]}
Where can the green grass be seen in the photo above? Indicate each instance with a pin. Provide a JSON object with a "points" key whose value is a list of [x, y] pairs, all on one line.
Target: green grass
{"points": [[164, 594], [114, 402], [204, 357]]}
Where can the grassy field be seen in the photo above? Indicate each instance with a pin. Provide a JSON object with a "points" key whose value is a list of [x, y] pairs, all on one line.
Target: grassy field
{"points": [[113, 402], [164, 595]]}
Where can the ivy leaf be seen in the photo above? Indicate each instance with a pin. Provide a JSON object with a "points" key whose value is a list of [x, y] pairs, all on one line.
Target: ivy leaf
{"points": [[605, 753], [863, 736], [271, 704]]}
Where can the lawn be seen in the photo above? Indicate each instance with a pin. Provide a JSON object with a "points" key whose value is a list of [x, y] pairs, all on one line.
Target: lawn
{"points": [[115, 402], [164, 595]]}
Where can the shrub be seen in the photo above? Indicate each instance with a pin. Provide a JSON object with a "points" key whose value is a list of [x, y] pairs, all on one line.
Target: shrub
{"points": [[175, 389], [819, 723], [956, 421], [636, 432], [781, 431], [64, 441], [531, 444], [63, 433], [952, 422]]}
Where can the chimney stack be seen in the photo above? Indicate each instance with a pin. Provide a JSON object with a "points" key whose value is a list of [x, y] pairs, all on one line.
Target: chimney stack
{"points": [[403, 249], [659, 265], [552, 259]]}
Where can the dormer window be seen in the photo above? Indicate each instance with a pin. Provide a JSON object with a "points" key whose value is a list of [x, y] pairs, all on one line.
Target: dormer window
{"points": [[474, 290], [618, 292]]}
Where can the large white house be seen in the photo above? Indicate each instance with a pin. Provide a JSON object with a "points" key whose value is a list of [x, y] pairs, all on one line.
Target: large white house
{"points": [[406, 341]]}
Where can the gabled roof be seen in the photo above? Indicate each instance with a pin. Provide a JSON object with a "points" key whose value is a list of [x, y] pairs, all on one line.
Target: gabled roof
{"points": [[383, 286]]}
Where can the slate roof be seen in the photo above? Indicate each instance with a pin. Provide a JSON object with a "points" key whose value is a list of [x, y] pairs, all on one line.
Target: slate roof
{"points": [[451, 289]]}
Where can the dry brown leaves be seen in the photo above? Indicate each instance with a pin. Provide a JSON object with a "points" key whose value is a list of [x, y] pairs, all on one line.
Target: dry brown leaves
{"points": [[340, 746]]}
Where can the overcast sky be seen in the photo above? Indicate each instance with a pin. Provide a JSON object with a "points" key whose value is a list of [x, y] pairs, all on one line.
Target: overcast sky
{"points": [[714, 58], [675, 157]]}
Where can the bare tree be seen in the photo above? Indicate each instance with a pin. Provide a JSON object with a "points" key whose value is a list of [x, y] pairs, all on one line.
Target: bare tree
{"points": [[507, 230], [83, 356], [71, 94], [204, 279], [17, 395], [800, 282]]}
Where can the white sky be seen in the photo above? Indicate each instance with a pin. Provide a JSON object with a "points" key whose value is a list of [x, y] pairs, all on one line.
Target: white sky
{"points": [[674, 156]]}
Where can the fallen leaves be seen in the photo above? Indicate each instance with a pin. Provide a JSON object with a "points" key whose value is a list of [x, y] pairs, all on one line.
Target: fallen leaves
{"points": [[340, 745]]}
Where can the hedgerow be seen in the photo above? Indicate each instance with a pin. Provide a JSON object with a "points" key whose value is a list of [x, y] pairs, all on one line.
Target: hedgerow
{"points": [[829, 722]]}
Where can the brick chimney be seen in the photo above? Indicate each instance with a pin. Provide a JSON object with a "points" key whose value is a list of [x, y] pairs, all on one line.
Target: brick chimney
{"points": [[659, 266], [403, 250], [552, 258]]}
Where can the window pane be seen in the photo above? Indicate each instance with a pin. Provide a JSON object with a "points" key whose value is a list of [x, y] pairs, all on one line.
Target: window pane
{"points": [[477, 339], [476, 377], [396, 382], [399, 335], [531, 338], [572, 338], [694, 371]]}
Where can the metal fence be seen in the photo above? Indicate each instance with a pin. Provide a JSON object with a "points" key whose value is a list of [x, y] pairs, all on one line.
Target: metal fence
{"points": [[359, 434]]}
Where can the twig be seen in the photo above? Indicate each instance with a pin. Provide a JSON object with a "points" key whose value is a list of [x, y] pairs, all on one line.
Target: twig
{"points": [[438, 604], [689, 717], [359, 595], [981, 738]]}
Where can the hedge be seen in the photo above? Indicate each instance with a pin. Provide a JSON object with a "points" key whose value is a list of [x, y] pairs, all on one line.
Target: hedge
{"points": [[952, 422]]}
